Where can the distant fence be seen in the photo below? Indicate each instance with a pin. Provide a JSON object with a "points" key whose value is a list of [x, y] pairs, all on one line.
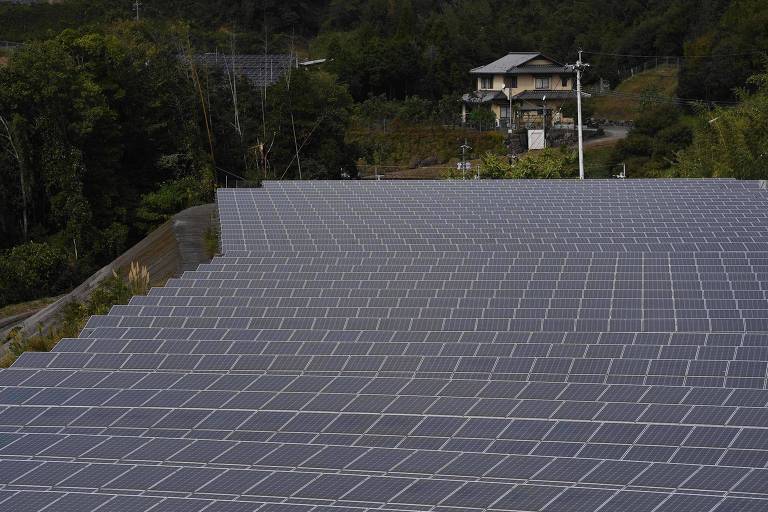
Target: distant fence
{"points": [[649, 64], [10, 45]]}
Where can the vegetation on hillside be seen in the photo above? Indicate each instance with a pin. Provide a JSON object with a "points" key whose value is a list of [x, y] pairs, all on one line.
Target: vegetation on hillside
{"points": [[628, 98], [731, 142], [107, 127], [87, 122], [106, 134], [425, 47], [649, 151], [549, 163], [114, 290]]}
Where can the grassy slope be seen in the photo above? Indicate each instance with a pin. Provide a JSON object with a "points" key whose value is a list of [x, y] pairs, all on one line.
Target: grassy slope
{"points": [[25, 307], [662, 79], [403, 146]]}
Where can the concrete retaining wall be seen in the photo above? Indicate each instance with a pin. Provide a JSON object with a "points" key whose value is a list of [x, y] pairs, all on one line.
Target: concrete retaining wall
{"points": [[176, 246]]}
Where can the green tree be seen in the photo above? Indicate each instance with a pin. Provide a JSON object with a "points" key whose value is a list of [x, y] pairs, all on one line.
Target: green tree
{"points": [[294, 129], [649, 150], [29, 271], [731, 142], [85, 120]]}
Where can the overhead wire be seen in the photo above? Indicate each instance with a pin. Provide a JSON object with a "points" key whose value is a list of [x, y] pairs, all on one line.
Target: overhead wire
{"points": [[709, 56], [651, 98]]}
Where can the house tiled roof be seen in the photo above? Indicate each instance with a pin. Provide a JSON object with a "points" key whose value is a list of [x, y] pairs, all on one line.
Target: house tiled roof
{"points": [[506, 63], [513, 60], [553, 95], [260, 70], [483, 97], [562, 70]]}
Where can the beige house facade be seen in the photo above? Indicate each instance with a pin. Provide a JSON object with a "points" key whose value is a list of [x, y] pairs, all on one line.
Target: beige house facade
{"points": [[522, 89]]}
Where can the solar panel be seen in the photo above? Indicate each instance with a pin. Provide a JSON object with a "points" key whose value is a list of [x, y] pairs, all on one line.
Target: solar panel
{"points": [[502, 346]]}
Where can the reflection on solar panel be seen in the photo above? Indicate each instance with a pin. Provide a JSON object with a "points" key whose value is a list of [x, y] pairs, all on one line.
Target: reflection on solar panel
{"points": [[424, 346]]}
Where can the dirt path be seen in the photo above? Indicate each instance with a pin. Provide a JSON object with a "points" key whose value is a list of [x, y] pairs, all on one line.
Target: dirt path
{"points": [[613, 134]]}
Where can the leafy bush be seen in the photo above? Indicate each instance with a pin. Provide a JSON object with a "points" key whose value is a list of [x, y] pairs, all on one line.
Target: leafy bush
{"points": [[649, 150], [482, 118], [169, 199], [550, 163], [731, 142], [29, 271]]}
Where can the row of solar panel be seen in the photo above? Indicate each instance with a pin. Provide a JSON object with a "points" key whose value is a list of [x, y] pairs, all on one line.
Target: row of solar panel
{"points": [[233, 307], [648, 278], [586, 248], [504, 460], [590, 325], [712, 372], [471, 496], [324, 307], [479, 293], [370, 452], [161, 305], [455, 388], [430, 318], [488, 233], [626, 338], [676, 183], [545, 354], [358, 413], [468, 259], [402, 464], [490, 193]]}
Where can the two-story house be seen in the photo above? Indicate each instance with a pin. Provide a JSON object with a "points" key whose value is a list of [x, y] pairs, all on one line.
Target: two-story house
{"points": [[520, 87]]}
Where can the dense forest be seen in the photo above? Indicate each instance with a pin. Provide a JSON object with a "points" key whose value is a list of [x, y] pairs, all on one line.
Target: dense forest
{"points": [[108, 126], [425, 47]]}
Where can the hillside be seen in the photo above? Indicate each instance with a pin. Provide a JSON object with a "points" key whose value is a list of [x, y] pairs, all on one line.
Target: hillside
{"points": [[623, 103]]}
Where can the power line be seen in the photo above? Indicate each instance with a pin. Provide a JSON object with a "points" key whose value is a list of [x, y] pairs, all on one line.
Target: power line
{"points": [[661, 99], [710, 56]]}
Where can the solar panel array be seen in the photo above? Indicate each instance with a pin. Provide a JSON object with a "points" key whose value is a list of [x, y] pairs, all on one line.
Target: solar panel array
{"points": [[550, 346]]}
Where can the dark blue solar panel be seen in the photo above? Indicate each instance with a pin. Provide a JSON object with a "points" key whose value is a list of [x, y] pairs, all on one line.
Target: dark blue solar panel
{"points": [[383, 344]]}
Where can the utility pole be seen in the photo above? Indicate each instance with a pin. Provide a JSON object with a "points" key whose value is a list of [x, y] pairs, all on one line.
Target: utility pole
{"points": [[137, 5], [544, 117], [464, 147], [579, 67]]}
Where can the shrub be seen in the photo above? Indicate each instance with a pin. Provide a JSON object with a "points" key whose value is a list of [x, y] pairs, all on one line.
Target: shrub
{"points": [[731, 142], [29, 271], [138, 279], [548, 163], [171, 198], [482, 118], [113, 290]]}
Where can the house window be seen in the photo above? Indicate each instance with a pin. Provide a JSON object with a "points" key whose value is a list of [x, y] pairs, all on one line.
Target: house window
{"points": [[486, 82], [564, 81], [510, 82], [542, 82]]}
